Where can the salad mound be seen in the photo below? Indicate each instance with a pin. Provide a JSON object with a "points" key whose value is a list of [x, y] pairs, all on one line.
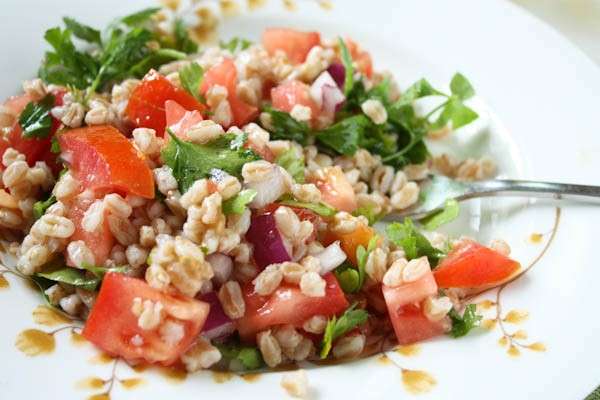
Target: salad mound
{"points": [[217, 207]]}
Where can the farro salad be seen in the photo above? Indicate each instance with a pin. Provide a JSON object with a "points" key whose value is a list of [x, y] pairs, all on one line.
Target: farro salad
{"points": [[216, 207]]}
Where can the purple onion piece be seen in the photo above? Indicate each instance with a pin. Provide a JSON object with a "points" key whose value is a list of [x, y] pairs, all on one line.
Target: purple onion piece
{"points": [[338, 73], [267, 241], [216, 316]]}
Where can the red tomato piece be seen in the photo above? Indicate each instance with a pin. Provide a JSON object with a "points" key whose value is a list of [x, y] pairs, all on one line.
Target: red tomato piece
{"points": [[225, 74], [407, 318], [99, 242], [146, 107], [295, 44], [411, 325], [290, 93], [112, 325], [102, 158], [360, 57], [287, 305], [336, 190], [471, 265], [179, 119]]}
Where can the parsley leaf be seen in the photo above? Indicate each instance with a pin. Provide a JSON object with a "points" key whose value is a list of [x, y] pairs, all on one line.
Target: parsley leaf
{"points": [[348, 67], [461, 87], [101, 271], [235, 44], [413, 243], [246, 357], [461, 325], [292, 161], [238, 203], [40, 207], [82, 31], [456, 112], [337, 327], [71, 276], [35, 120], [55, 146], [448, 214], [139, 17], [191, 162], [183, 42], [65, 65], [320, 208], [351, 279], [368, 211], [284, 127], [191, 78], [345, 136], [362, 255]]}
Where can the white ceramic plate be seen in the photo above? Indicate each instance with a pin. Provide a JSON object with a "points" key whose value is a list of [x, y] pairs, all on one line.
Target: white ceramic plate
{"points": [[545, 92]]}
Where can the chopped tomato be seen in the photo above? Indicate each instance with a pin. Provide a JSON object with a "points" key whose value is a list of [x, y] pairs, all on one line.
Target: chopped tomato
{"points": [[179, 119], [113, 327], [101, 241], [350, 241], [290, 93], [295, 44], [471, 265], [102, 158], [411, 325], [287, 305], [407, 318], [360, 57], [225, 74], [34, 149], [336, 190], [146, 107]]}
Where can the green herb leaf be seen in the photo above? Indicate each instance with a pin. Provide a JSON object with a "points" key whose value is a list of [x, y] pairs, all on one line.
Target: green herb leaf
{"points": [[415, 245], [191, 78], [344, 137], [40, 207], [338, 327], [154, 60], [250, 358], [461, 87], [139, 17], [421, 88], [99, 272], [82, 31], [292, 161], [238, 203], [55, 145], [35, 120], [448, 214], [183, 41], [287, 128], [235, 44], [456, 112], [461, 325], [369, 213], [320, 208], [348, 278], [362, 255], [66, 65], [71, 276], [191, 162], [348, 67]]}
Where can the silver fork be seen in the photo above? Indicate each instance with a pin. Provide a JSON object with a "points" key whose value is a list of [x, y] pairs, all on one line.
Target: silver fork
{"points": [[437, 189]]}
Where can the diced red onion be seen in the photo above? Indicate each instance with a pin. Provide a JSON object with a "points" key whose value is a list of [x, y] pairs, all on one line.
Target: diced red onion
{"points": [[222, 266], [269, 188], [218, 324], [332, 257], [326, 93], [338, 73], [267, 241]]}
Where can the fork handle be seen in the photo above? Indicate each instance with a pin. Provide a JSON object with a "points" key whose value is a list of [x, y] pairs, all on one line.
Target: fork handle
{"points": [[529, 188]]}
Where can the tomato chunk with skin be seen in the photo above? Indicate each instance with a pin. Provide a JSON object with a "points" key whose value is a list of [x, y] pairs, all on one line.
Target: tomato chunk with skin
{"points": [[408, 320], [287, 305], [290, 93], [101, 241], [336, 190], [102, 158], [295, 44], [112, 325], [225, 74], [471, 265], [180, 120], [360, 57], [146, 107]]}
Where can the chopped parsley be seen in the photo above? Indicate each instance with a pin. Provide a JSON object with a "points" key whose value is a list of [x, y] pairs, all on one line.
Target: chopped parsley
{"points": [[413, 242], [191, 78], [462, 324], [448, 214], [35, 120], [40, 207], [337, 327], [235, 44], [352, 279], [320, 208], [292, 161], [238, 203]]}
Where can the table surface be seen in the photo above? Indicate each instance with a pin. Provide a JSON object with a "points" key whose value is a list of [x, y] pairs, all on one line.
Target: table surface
{"points": [[578, 20]]}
